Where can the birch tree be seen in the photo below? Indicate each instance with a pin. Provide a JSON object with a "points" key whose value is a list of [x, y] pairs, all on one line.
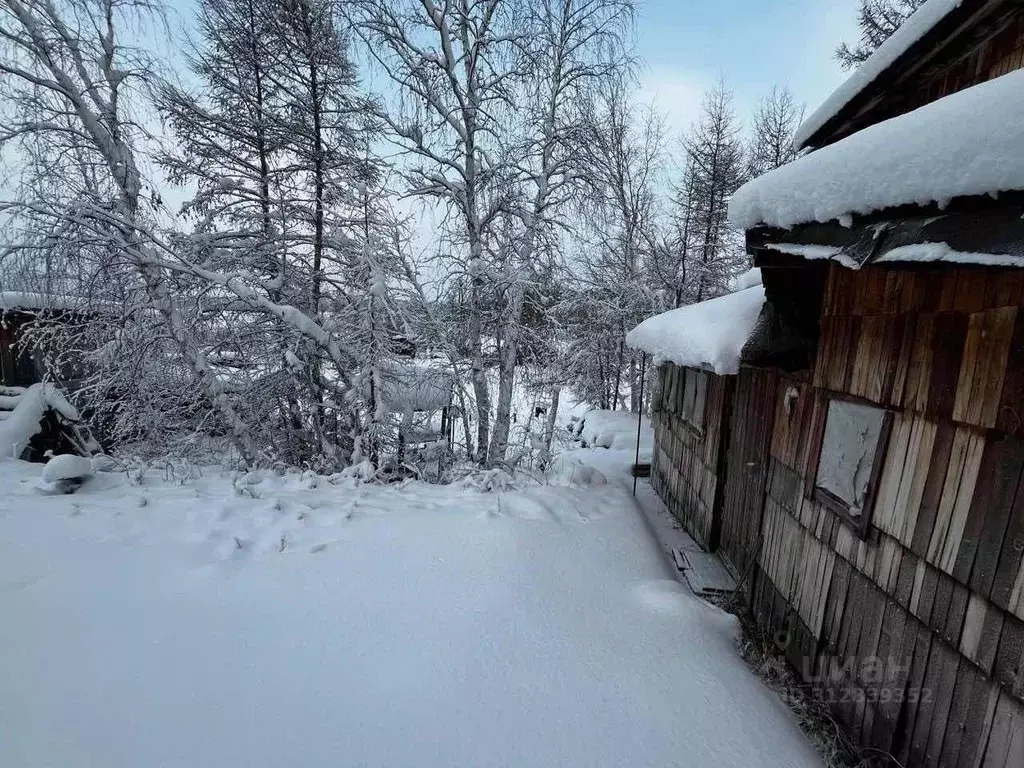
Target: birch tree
{"points": [[455, 66], [69, 79], [575, 44]]}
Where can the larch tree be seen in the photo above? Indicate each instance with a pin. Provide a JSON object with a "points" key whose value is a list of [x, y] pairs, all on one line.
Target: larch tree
{"points": [[715, 168], [324, 172], [771, 143], [877, 20]]}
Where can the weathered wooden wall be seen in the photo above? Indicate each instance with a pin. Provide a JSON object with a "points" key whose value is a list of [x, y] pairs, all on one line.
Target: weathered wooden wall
{"points": [[747, 466], [916, 634], [16, 366], [684, 469]]}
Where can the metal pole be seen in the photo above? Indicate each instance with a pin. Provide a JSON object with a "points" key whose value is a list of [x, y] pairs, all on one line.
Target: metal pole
{"points": [[639, 418]]}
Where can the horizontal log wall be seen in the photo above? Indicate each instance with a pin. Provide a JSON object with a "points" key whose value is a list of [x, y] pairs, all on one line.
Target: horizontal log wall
{"points": [[684, 462], [916, 634]]}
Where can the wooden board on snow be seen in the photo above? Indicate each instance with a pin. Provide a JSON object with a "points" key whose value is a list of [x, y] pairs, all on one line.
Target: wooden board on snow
{"points": [[704, 572]]}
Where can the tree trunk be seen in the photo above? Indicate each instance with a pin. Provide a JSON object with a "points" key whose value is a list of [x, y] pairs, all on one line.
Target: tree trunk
{"points": [[549, 424], [506, 377]]}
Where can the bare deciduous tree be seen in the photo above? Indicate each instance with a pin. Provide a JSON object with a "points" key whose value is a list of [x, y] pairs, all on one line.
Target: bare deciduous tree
{"points": [[456, 67], [775, 123]]}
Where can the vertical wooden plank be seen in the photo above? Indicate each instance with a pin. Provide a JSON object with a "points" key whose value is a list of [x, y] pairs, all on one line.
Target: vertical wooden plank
{"points": [[962, 503], [1006, 286], [1010, 414], [917, 754], [1006, 668], [916, 647], [944, 514], [1005, 748], [835, 606], [972, 367], [964, 726], [949, 336], [974, 620], [943, 695], [1000, 330], [1011, 554], [916, 389], [896, 463], [914, 491], [955, 613], [905, 578], [932, 493], [970, 290], [907, 329], [996, 490]]}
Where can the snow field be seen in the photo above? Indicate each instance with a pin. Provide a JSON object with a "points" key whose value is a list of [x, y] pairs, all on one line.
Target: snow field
{"points": [[257, 620]]}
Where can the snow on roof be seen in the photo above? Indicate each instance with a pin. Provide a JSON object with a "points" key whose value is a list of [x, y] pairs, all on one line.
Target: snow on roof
{"points": [[708, 335], [416, 385], [814, 252], [913, 29], [748, 279], [968, 143], [27, 300], [929, 252]]}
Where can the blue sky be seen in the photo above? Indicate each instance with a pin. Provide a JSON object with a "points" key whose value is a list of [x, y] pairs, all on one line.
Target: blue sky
{"points": [[686, 45]]}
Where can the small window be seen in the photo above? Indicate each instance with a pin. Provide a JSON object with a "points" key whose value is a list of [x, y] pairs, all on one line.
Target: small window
{"points": [[853, 441]]}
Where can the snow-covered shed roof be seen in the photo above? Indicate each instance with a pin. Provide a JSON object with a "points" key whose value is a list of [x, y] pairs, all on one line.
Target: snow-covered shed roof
{"points": [[416, 385], [967, 144], [707, 335], [29, 301], [922, 21]]}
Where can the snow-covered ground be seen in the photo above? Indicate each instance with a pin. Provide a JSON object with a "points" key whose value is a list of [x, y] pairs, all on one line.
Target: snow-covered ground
{"points": [[219, 620]]}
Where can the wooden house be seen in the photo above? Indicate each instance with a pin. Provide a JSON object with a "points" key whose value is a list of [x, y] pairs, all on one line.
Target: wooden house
{"points": [[17, 368], [868, 485], [20, 369]]}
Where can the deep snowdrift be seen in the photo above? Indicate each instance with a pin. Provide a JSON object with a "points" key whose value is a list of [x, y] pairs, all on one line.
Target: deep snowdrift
{"points": [[246, 622], [616, 431]]}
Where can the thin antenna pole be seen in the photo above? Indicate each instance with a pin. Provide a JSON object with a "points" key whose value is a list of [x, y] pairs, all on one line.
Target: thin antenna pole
{"points": [[639, 418]]}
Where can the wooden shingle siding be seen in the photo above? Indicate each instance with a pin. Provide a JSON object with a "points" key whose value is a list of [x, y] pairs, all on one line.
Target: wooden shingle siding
{"points": [[934, 592], [684, 470], [746, 481], [938, 342], [937, 587]]}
